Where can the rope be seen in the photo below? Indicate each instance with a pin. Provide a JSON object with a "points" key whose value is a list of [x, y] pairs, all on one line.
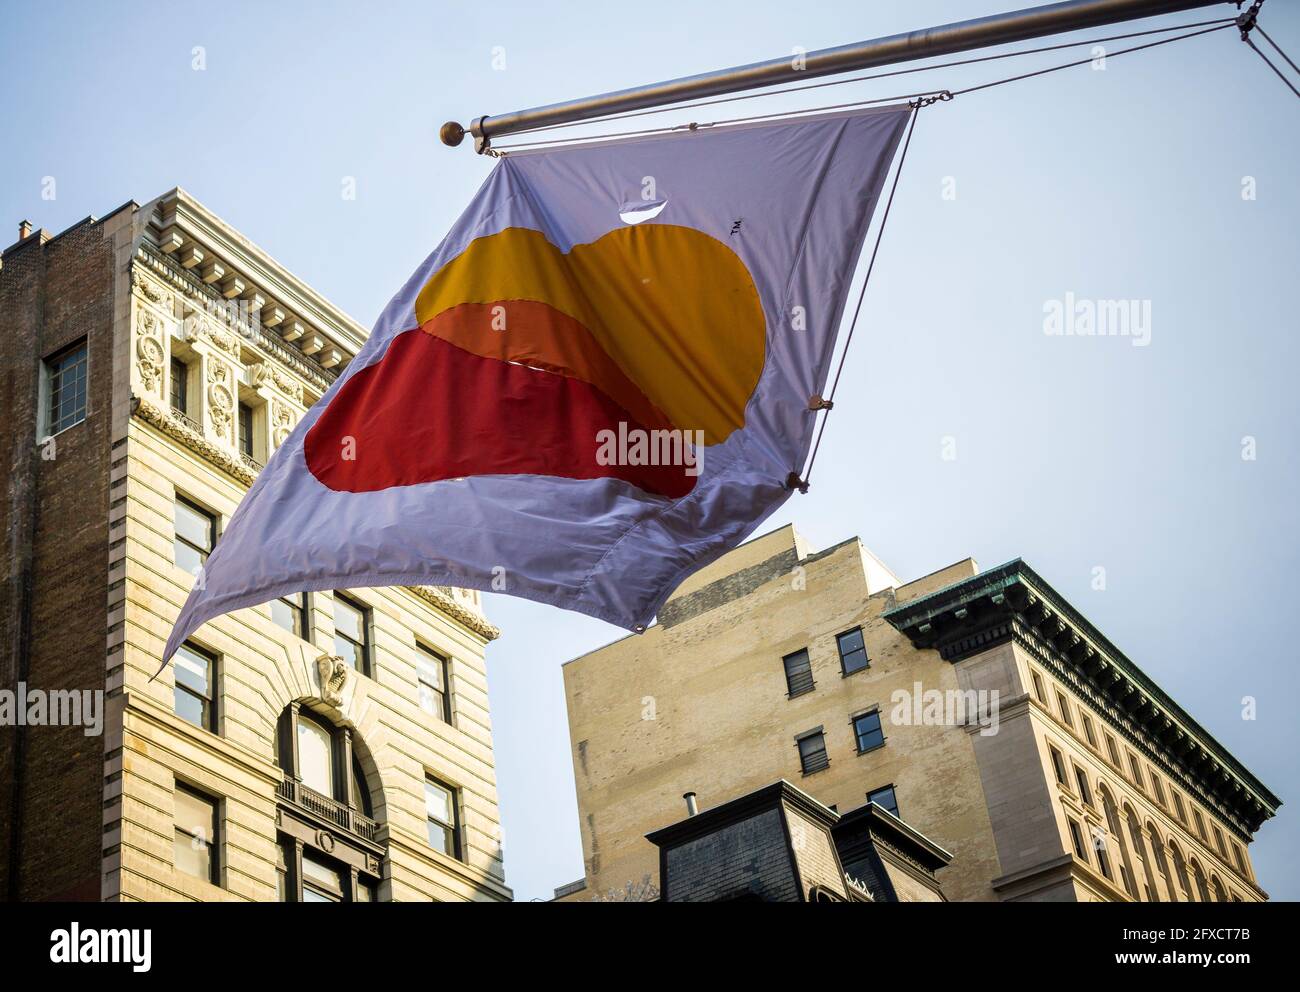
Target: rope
{"points": [[1284, 55], [802, 485], [878, 75], [1270, 64]]}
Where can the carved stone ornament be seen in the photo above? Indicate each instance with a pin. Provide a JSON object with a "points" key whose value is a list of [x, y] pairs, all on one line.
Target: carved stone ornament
{"points": [[149, 363], [332, 672], [150, 290], [281, 423], [263, 373]]}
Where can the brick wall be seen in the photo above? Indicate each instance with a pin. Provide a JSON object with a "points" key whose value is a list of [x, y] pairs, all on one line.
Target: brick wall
{"points": [[53, 293]]}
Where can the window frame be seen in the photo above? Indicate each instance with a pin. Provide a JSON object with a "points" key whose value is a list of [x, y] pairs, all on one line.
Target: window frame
{"points": [[1135, 771], [839, 648], [213, 845], [178, 388], [242, 436], [304, 626], [453, 829], [1063, 705], [804, 762], [442, 664], [1082, 784], [857, 736], [892, 791], [790, 689], [1040, 690], [1112, 752], [1089, 733], [367, 632], [181, 500], [49, 375], [1077, 840], [210, 702], [1059, 767]]}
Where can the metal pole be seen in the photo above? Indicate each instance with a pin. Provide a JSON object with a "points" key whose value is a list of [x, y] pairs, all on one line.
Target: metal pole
{"points": [[962, 36]]}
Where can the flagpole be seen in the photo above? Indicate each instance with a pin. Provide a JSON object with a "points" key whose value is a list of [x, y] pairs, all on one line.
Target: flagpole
{"points": [[961, 36]]}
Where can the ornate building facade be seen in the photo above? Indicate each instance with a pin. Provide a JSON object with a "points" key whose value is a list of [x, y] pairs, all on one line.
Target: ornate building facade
{"points": [[979, 708], [323, 747]]}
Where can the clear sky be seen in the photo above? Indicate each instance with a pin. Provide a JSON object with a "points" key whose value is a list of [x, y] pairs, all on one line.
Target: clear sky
{"points": [[1071, 452]]}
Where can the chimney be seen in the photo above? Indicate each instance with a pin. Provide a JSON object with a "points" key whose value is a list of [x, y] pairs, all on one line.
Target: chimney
{"points": [[24, 229], [691, 808]]}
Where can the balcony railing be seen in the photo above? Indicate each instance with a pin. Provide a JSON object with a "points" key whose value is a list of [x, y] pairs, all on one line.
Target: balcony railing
{"points": [[328, 809], [250, 463], [187, 420]]}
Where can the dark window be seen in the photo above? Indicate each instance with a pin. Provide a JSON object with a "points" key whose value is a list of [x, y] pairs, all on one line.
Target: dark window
{"points": [[1113, 751], [853, 652], [812, 753], [1039, 691], [180, 389], [1157, 789], [196, 535], [1088, 731], [1218, 842], [290, 612], [67, 381], [1058, 765], [1200, 824], [246, 429], [442, 817], [798, 672], [1065, 710], [1136, 769], [352, 633], [194, 849], [867, 730], [1076, 838], [1085, 793], [885, 798], [1103, 856], [195, 697], [1240, 857], [431, 671], [1179, 810]]}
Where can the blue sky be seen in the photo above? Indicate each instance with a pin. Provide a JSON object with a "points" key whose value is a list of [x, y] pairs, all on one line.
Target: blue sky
{"points": [[1071, 452]]}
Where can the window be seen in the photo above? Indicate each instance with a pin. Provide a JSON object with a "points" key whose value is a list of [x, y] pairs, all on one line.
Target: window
{"points": [[1088, 732], [321, 881], [812, 752], [431, 672], [195, 844], [1157, 789], [868, 732], [798, 673], [1076, 838], [66, 378], [194, 694], [1113, 751], [1136, 769], [1039, 691], [315, 756], [352, 633], [1058, 766], [180, 387], [1200, 824], [1240, 857], [885, 798], [441, 814], [853, 651], [246, 429], [1179, 810], [1085, 793], [290, 612], [1218, 841], [196, 535], [1103, 855], [1064, 706]]}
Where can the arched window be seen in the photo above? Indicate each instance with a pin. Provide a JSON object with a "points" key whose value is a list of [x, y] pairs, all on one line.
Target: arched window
{"points": [[1217, 890], [1180, 872], [1161, 863], [1198, 879], [1148, 881], [330, 847], [1127, 878]]}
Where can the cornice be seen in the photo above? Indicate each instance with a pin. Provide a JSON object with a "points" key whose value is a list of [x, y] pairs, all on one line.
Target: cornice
{"points": [[1013, 603]]}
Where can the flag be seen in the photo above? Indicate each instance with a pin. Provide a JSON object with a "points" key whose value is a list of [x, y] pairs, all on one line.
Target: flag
{"points": [[598, 383]]}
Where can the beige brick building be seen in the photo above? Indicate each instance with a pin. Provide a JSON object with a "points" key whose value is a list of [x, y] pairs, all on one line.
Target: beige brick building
{"points": [[980, 707], [325, 747]]}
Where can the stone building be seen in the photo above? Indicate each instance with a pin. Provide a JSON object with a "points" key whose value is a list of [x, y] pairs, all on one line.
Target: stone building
{"points": [[980, 708], [322, 747]]}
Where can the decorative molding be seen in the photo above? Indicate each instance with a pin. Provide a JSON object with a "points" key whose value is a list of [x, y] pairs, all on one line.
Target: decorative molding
{"points": [[262, 373], [446, 602], [332, 674], [160, 417]]}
